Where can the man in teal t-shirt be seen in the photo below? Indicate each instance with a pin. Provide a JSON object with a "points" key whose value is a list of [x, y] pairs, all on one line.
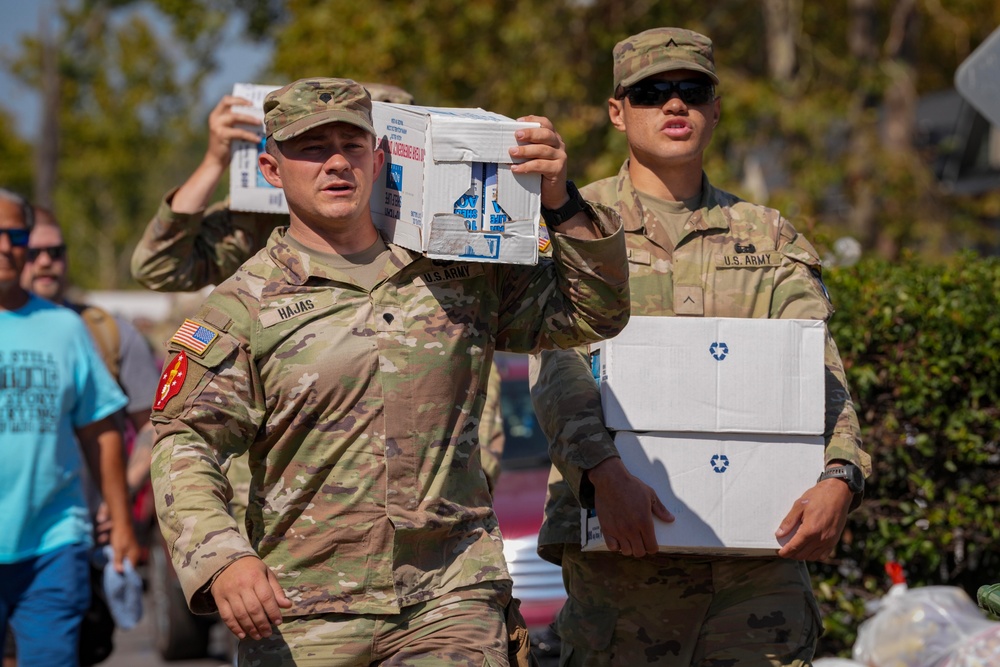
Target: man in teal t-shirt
{"points": [[56, 402]]}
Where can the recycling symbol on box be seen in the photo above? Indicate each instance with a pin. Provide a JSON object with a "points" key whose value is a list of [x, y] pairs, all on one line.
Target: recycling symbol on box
{"points": [[719, 462], [718, 350]]}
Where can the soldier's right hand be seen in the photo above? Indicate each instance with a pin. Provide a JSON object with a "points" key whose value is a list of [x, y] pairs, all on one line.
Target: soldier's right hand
{"points": [[625, 507], [249, 598], [223, 129]]}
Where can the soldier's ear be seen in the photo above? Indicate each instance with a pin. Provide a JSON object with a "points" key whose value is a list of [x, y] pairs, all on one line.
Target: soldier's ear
{"points": [[616, 112], [269, 168]]}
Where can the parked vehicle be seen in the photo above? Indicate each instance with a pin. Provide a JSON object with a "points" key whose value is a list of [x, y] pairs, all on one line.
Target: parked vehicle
{"points": [[519, 500]]}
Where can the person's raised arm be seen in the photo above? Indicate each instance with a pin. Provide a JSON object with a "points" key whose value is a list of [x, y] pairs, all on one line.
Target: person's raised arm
{"points": [[224, 127]]}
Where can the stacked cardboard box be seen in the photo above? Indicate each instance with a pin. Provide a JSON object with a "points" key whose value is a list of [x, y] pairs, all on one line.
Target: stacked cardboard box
{"points": [[723, 417]]}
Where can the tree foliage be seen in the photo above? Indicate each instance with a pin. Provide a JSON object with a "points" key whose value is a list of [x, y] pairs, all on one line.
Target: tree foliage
{"points": [[123, 130], [813, 130], [921, 344], [15, 168], [823, 132]]}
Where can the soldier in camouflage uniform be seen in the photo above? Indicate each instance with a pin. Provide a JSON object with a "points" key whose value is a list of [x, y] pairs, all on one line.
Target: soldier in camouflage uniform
{"points": [[694, 251], [352, 371], [186, 247]]}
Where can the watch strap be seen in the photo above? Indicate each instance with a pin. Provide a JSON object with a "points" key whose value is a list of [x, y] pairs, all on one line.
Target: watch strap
{"points": [[555, 217], [851, 475]]}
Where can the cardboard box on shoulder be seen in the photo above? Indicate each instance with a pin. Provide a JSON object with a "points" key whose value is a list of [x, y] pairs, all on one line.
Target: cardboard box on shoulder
{"points": [[711, 374], [447, 190], [248, 191], [728, 493]]}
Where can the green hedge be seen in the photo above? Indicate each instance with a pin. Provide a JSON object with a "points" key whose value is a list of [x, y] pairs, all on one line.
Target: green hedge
{"points": [[921, 344]]}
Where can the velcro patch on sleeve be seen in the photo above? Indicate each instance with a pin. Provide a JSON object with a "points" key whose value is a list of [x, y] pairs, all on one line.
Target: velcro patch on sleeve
{"points": [[195, 336], [171, 381]]}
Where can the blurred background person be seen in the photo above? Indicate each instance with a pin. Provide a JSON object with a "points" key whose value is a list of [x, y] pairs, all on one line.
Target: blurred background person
{"points": [[56, 394], [128, 358]]}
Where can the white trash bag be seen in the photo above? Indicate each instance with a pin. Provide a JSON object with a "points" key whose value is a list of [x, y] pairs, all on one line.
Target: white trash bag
{"points": [[934, 626]]}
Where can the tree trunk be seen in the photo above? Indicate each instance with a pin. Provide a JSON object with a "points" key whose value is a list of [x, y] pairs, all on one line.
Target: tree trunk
{"points": [[900, 104], [782, 22], [863, 119], [47, 151]]}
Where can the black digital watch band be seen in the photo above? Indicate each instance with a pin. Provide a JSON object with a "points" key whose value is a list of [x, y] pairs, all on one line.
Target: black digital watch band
{"points": [[555, 217], [851, 475]]}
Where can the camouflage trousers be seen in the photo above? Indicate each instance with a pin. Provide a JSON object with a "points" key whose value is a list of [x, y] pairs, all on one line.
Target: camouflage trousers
{"points": [[686, 612], [465, 627]]}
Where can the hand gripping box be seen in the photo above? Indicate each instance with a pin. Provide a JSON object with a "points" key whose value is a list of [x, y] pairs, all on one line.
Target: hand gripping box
{"points": [[728, 493], [713, 375], [446, 189], [248, 191]]}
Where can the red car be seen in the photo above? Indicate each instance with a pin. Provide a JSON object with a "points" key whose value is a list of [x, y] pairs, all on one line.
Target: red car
{"points": [[519, 502]]}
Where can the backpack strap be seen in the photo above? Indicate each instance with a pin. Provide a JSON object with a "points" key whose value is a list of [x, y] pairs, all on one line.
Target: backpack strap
{"points": [[107, 339]]}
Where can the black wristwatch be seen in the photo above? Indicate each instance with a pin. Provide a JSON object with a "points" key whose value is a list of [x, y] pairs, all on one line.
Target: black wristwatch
{"points": [[851, 475], [555, 217]]}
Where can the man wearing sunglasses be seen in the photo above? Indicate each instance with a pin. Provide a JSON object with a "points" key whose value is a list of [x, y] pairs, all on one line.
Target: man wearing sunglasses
{"points": [[635, 606], [129, 359], [54, 392]]}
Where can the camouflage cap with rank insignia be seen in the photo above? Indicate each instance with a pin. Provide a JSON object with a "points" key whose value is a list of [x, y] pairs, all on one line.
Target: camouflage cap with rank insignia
{"points": [[662, 50], [307, 103], [384, 92]]}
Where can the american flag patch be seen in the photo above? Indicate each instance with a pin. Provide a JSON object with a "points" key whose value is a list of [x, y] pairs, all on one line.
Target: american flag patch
{"points": [[543, 237], [195, 337]]}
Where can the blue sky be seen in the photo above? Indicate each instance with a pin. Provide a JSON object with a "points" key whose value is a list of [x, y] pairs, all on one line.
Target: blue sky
{"points": [[238, 60]]}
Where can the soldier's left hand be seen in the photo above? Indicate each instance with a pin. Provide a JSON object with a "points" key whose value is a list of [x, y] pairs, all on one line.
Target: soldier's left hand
{"points": [[820, 515], [542, 151]]}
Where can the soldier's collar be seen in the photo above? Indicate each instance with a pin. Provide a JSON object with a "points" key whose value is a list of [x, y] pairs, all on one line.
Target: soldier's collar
{"points": [[708, 216], [298, 269]]}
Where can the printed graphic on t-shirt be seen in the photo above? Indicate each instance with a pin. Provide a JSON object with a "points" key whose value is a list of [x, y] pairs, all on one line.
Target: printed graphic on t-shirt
{"points": [[29, 392]]}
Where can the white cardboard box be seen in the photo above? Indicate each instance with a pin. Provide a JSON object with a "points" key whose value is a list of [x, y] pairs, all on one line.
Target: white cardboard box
{"points": [[439, 193], [248, 191], [717, 375], [728, 494]]}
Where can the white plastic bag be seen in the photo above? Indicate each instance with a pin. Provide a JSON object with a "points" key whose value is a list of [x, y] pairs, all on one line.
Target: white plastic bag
{"points": [[935, 626]]}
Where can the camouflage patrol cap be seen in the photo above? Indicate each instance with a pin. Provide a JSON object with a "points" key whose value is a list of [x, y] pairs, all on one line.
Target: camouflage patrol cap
{"points": [[308, 103], [662, 50], [384, 92]]}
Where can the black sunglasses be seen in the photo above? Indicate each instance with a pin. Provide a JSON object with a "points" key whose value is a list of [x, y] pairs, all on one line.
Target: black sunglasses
{"points": [[55, 252], [18, 237], [694, 92]]}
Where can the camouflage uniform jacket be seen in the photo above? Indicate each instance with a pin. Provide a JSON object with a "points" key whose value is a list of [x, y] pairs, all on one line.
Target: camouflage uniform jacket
{"points": [[360, 412], [183, 252], [733, 259]]}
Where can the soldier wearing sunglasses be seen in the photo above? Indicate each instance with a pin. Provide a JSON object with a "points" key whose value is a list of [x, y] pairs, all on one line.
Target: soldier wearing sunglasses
{"points": [[694, 251]]}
